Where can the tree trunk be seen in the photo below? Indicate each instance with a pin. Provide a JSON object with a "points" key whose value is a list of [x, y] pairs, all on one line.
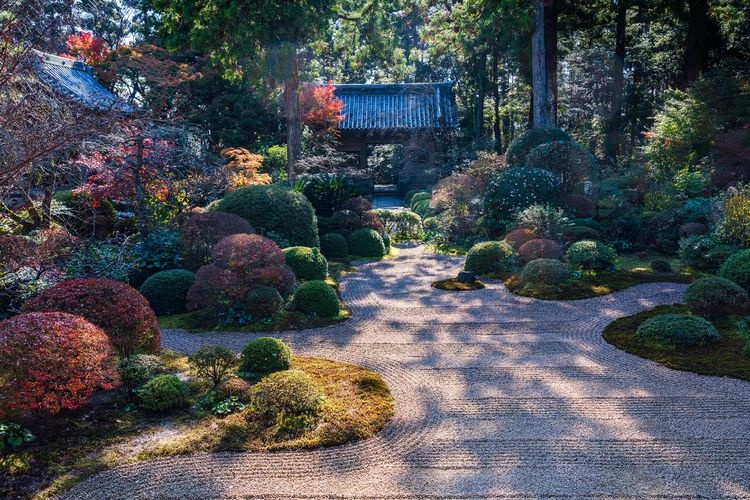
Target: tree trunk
{"points": [[479, 108], [698, 44], [496, 100], [140, 195], [504, 88], [614, 141], [550, 57], [542, 115], [293, 121]]}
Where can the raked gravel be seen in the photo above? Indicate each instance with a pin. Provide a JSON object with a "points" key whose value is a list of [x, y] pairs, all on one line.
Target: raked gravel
{"points": [[497, 396]]}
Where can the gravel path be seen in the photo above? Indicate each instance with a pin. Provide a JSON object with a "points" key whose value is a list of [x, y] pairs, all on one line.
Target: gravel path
{"points": [[496, 396]]}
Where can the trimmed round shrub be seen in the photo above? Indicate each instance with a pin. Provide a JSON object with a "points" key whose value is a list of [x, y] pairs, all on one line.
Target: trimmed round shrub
{"points": [[704, 251], [581, 206], [550, 272], [51, 361], [264, 302], [489, 257], [515, 189], [402, 225], [290, 393], [715, 297], [118, 309], [661, 266], [334, 246], [422, 208], [540, 249], [569, 160], [316, 297], [307, 263], [263, 356], [737, 268], [274, 210], [386, 242], [279, 277], [215, 286], [140, 368], [683, 329], [163, 393], [518, 237], [213, 363], [577, 233], [410, 194], [244, 252], [200, 231], [590, 254], [366, 243], [166, 291], [522, 145]]}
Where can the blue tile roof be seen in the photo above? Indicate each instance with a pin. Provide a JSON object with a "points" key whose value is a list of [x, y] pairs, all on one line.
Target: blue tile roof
{"points": [[400, 106], [75, 80]]}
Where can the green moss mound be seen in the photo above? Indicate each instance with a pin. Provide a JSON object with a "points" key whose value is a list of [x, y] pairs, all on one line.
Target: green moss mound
{"points": [[678, 329], [572, 234], [263, 356], [489, 257], [140, 368], [366, 243], [589, 254], [547, 272], [715, 297], [264, 302], [163, 392], [276, 212], [334, 246], [166, 291], [737, 268], [454, 285], [316, 297], [308, 263], [522, 145]]}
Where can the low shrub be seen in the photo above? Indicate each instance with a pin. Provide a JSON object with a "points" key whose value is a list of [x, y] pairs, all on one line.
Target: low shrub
{"points": [[691, 228], [489, 257], [661, 266], [52, 361], [122, 312], [422, 208], [140, 368], [166, 291], [518, 237], [284, 397], [274, 211], [572, 234], [213, 363], [410, 194], [347, 221], [307, 263], [703, 251], [357, 204], [316, 297], [570, 161], [417, 197], [544, 220], [242, 253], [590, 254], [737, 268], [279, 277], [715, 297], [163, 393], [263, 356], [264, 302], [517, 188], [734, 225], [366, 243], [580, 206], [682, 329], [401, 225], [201, 231], [215, 287], [549, 272], [521, 146], [334, 246], [540, 249]]}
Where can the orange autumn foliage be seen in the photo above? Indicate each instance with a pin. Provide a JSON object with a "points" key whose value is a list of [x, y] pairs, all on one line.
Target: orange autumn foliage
{"points": [[243, 168]]}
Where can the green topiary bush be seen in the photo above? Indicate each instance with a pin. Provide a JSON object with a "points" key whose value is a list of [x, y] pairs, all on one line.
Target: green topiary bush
{"points": [[737, 268], [661, 266], [263, 356], [515, 189], [715, 297], [264, 302], [589, 254], [522, 145], [316, 297], [366, 243], [290, 399], [569, 160], [166, 291], [140, 368], [489, 257], [540, 249], [577, 233], [163, 392], [334, 246], [550, 272], [307, 263], [684, 329], [704, 251], [274, 211]]}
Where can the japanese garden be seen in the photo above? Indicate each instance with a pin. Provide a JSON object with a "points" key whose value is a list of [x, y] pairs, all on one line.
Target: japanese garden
{"points": [[374, 249]]}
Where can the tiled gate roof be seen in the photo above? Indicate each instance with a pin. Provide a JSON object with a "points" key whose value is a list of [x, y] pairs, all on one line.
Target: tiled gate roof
{"points": [[397, 106]]}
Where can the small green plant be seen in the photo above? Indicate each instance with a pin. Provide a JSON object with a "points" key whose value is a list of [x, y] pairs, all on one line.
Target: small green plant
{"points": [[545, 221], [264, 302], [13, 435], [334, 246], [290, 400], [263, 356], [306, 262], [228, 406], [140, 368], [316, 297], [163, 392], [549, 272], [213, 363], [366, 243], [684, 329], [715, 297], [489, 257], [588, 254], [166, 291]]}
